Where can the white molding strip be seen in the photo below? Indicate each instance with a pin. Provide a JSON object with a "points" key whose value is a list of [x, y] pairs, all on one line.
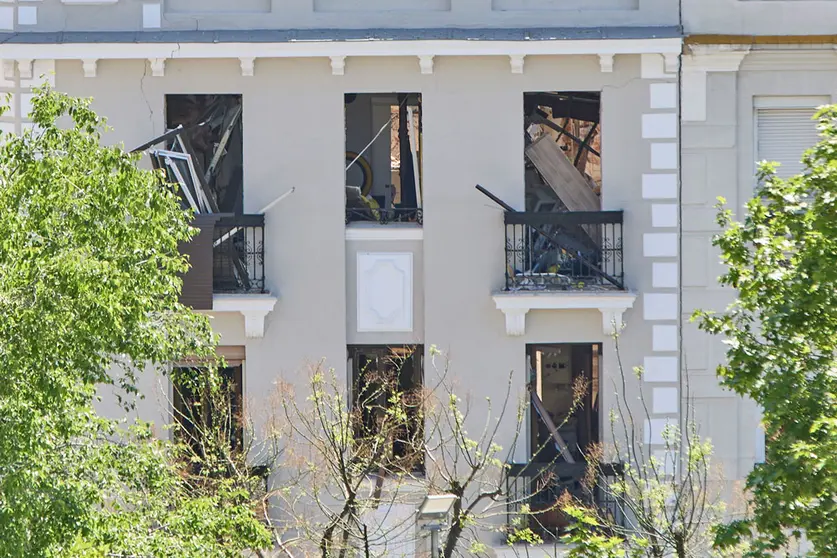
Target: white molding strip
{"points": [[311, 49], [515, 306], [254, 307], [394, 231]]}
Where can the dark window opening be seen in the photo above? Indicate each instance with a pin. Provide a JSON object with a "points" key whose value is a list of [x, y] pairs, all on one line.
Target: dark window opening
{"points": [[564, 385], [383, 157], [207, 421], [563, 151], [378, 373], [207, 158], [556, 371]]}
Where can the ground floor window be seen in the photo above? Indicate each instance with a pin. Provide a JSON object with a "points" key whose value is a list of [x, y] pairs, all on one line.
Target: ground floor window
{"points": [[379, 374], [556, 373], [206, 419], [564, 383]]}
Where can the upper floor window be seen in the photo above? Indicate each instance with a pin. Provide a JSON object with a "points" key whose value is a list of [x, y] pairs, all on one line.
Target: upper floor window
{"points": [[207, 158], [785, 130], [383, 157], [563, 241], [563, 151]]}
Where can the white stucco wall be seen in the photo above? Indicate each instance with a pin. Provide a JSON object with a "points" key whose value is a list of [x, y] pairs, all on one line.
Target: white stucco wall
{"points": [[759, 17], [719, 160], [293, 136]]}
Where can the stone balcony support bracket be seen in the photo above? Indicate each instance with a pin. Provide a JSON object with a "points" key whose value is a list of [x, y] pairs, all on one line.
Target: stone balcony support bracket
{"points": [[254, 308], [515, 306]]}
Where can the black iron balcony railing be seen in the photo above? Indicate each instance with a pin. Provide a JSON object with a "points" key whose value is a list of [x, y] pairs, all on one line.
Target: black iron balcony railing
{"points": [[238, 254], [539, 486], [384, 216], [227, 256], [574, 250]]}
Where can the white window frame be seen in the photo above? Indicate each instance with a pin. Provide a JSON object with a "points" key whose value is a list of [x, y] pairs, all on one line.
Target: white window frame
{"points": [[779, 102]]}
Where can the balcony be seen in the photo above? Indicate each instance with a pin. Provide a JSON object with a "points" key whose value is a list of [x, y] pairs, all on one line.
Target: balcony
{"points": [[577, 250], [540, 485], [227, 271], [563, 260], [238, 254]]}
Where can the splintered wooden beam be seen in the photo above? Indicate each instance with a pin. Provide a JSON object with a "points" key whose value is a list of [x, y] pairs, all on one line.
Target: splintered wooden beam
{"points": [[558, 171], [553, 430]]}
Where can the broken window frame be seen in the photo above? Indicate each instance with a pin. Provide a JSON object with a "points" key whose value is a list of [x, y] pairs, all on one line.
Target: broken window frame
{"points": [[237, 237]]}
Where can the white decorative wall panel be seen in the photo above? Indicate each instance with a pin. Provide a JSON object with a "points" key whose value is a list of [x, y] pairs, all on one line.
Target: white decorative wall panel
{"points": [[659, 306], [384, 292], [382, 5], [662, 186], [664, 215], [659, 245], [663, 156], [152, 16], [664, 338], [656, 126], [660, 369], [27, 15], [7, 18], [664, 275], [665, 400], [663, 95]]}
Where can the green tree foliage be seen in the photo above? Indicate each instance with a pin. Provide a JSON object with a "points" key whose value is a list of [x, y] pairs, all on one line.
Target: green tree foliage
{"points": [[89, 289], [662, 505], [780, 333]]}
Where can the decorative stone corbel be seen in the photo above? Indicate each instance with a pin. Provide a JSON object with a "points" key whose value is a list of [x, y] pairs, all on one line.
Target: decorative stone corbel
{"points": [[89, 65], [253, 307], [338, 65], [158, 66], [254, 323], [612, 320], [606, 63], [248, 67], [516, 321], [426, 63], [9, 70], [517, 62], [24, 67], [671, 62]]}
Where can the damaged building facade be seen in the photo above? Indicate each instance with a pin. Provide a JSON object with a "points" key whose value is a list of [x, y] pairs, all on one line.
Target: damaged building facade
{"points": [[506, 180]]}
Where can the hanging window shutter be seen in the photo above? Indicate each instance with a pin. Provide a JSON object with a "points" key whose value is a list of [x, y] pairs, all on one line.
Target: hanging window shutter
{"points": [[784, 134]]}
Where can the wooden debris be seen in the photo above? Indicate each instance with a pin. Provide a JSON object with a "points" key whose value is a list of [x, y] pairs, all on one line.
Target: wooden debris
{"points": [[571, 186]]}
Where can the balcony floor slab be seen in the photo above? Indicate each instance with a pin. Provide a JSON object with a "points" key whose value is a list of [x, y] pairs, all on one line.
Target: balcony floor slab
{"points": [[254, 308], [515, 306]]}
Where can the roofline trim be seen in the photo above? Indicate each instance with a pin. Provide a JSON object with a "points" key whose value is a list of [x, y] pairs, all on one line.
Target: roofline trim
{"points": [[329, 49]]}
